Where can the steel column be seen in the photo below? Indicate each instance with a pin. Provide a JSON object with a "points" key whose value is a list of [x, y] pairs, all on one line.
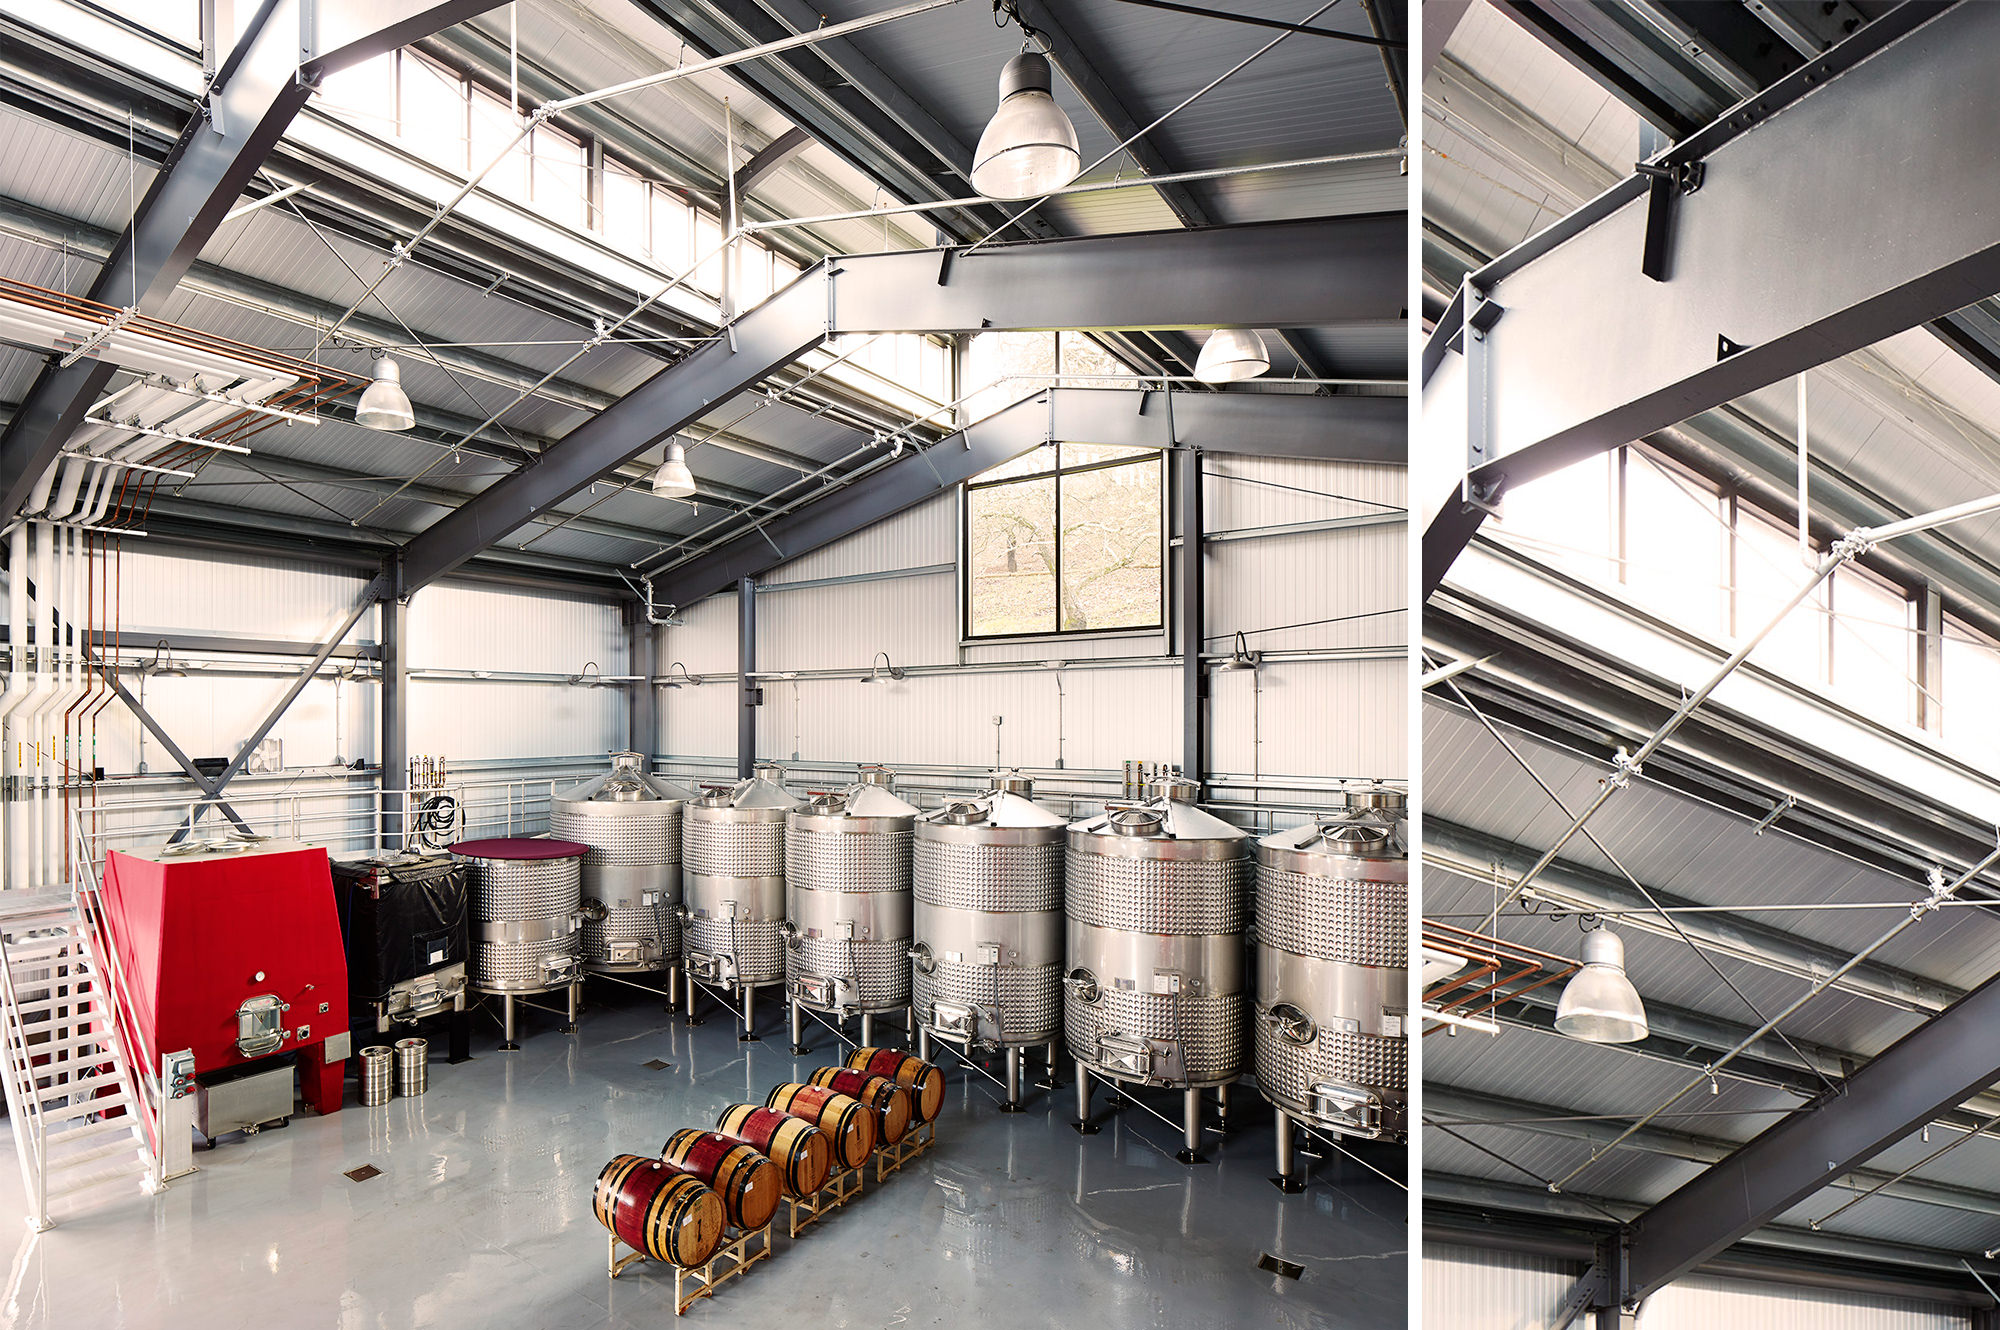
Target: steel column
{"points": [[642, 716], [749, 694], [1795, 250], [1194, 620], [1364, 429], [261, 85], [395, 754]]}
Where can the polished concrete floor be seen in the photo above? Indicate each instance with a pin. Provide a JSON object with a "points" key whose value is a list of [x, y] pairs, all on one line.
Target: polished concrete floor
{"points": [[481, 1215]]}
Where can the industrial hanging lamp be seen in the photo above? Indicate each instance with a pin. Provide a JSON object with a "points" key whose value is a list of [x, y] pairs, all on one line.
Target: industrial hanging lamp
{"points": [[1599, 1004], [384, 405], [1029, 146], [673, 480], [1231, 354]]}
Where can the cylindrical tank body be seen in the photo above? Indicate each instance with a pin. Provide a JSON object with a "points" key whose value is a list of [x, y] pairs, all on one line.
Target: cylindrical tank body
{"points": [[987, 876], [1157, 900], [847, 894], [631, 821], [525, 909], [1332, 963], [733, 881]]}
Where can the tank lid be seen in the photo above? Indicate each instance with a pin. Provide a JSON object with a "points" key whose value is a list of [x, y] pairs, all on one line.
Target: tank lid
{"points": [[961, 813], [1171, 784], [1135, 821], [1175, 819], [864, 800], [1390, 796], [1011, 780], [520, 847], [878, 775], [1355, 833], [628, 782], [995, 808], [754, 792]]}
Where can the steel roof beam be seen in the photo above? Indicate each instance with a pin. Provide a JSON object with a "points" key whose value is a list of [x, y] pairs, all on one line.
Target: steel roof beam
{"points": [[1795, 250], [1325, 270], [1365, 429], [256, 93], [1933, 1069]]}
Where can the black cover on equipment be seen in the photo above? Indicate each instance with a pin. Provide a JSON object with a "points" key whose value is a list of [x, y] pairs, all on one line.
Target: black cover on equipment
{"points": [[403, 916]]}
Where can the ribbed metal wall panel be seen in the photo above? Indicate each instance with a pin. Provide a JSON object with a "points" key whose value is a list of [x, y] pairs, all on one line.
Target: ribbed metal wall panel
{"points": [[457, 626], [168, 591], [919, 537], [1470, 1289], [1298, 718], [474, 721]]}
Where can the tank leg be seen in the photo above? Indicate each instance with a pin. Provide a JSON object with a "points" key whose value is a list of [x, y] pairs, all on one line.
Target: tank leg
{"points": [[1013, 1104], [909, 1025], [673, 987], [799, 1048], [575, 998], [459, 1026], [868, 1029], [692, 989], [924, 1042], [749, 1035], [1083, 1124], [1191, 1128], [507, 1044], [1222, 1107], [1286, 1181], [1049, 1081]]}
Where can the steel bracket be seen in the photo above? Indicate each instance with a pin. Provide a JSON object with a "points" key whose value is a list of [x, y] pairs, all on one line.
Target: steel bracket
{"points": [[1666, 182], [1480, 317]]}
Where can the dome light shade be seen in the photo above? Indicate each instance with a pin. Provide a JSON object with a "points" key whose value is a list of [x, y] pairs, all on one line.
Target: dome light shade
{"points": [[384, 405], [673, 480], [1599, 1005], [1029, 146], [1231, 354]]}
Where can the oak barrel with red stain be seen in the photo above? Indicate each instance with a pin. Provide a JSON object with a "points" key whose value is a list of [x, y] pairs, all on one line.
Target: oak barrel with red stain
{"points": [[748, 1183], [848, 1123], [801, 1151], [890, 1101], [667, 1214], [923, 1080]]}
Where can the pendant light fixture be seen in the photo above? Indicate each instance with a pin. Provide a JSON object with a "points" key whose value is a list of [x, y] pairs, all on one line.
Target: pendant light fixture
{"points": [[1231, 354], [384, 405], [1029, 146], [1599, 1004], [673, 480]]}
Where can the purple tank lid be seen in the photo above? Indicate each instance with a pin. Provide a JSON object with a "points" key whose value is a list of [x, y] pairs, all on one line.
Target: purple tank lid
{"points": [[520, 847]]}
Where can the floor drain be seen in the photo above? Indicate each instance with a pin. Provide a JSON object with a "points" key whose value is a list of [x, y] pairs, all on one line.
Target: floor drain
{"points": [[1283, 1268], [657, 1065], [365, 1172]]}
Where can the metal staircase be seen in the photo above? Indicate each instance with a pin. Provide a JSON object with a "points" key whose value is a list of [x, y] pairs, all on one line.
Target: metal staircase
{"points": [[82, 1122]]}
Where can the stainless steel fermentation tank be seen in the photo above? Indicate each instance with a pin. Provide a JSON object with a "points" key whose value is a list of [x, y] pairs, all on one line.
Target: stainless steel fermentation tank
{"points": [[631, 820], [733, 889], [987, 963], [525, 912], [1332, 966], [847, 902], [1157, 899]]}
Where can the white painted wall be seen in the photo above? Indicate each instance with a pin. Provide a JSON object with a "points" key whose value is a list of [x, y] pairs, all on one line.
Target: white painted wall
{"points": [[1469, 1289]]}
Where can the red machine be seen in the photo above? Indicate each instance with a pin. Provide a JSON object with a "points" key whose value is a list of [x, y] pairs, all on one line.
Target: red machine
{"points": [[234, 953]]}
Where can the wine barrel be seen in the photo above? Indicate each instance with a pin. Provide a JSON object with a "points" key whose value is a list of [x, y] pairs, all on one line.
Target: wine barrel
{"points": [[923, 1080], [661, 1211], [749, 1184], [848, 1123], [801, 1151], [890, 1101]]}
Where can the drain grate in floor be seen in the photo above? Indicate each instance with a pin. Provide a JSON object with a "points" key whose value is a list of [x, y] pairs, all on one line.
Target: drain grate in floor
{"points": [[365, 1172], [1281, 1267], [657, 1065]]}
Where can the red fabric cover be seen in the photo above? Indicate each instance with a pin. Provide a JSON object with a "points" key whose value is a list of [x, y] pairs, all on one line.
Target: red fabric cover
{"points": [[520, 847]]}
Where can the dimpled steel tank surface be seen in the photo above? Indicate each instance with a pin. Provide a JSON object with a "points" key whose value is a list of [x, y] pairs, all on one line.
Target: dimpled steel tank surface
{"points": [[1332, 977], [987, 967], [733, 883], [847, 894], [632, 876], [1158, 894], [526, 904]]}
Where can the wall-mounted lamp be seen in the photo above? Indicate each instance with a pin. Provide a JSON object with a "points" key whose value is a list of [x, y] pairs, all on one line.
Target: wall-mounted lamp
{"points": [[692, 680], [881, 666], [161, 666], [1242, 658], [590, 677]]}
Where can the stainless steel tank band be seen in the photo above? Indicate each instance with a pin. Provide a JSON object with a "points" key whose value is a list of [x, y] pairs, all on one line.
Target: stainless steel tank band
{"points": [[982, 833], [624, 887], [876, 915], [1345, 868], [965, 936], [505, 932], [1153, 847], [1138, 962], [1358, 999], [761, 899]]}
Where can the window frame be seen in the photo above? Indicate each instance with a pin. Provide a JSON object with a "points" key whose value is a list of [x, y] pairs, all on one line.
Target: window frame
{"points": [[967, 638]]}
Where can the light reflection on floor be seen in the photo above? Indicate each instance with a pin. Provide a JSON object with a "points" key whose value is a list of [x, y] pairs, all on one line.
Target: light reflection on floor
{"points": [[481, 1217]]}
